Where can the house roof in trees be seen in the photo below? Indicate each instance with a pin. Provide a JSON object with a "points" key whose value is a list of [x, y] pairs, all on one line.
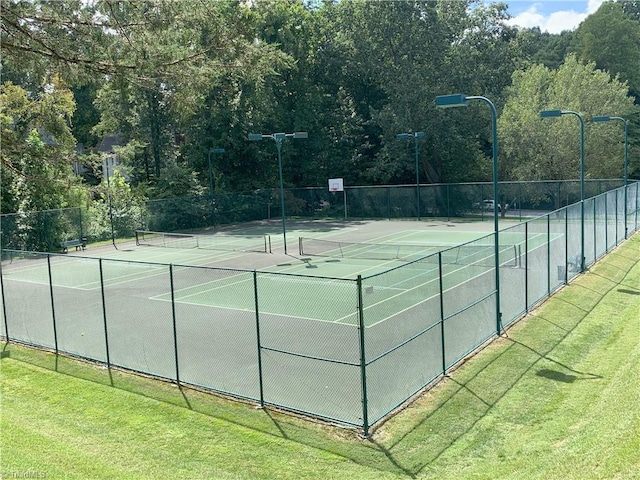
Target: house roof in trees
{"points": [[110, 141]]}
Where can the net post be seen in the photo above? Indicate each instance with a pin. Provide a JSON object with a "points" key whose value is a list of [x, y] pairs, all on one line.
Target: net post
{"points": [[104, 314], [363, 368], [300, 246], [137, 239]]}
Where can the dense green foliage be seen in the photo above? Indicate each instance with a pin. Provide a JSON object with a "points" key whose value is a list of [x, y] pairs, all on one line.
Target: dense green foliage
{"points": [[178, 78]]}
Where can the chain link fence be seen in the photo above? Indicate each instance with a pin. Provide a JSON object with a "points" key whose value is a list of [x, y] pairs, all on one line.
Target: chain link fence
{"points": [[45, 231], [349, 350]]}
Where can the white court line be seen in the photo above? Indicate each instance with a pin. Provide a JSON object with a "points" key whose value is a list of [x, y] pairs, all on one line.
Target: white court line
{"points": [[416, 287], [355, 313], [224, 285]]}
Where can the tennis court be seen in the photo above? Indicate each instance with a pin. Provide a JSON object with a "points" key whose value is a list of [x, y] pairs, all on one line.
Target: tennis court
{"points": [[355, 319], [333, 264]]}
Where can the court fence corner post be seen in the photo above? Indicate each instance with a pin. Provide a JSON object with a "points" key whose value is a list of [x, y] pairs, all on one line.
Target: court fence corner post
{"points": [[363, 366]]}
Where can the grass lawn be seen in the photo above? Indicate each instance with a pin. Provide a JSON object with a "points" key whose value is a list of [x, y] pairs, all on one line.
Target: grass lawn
{"points": [[558, 397]]}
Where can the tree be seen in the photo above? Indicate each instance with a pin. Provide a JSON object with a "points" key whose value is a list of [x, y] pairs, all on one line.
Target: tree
{"points": [[631, 8], [545, 48], [157, 60], [37, 149], [611, 39], [548, 149]]}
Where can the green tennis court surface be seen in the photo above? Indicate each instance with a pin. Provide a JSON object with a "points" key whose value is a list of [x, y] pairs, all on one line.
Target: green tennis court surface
{"points": [[318, 283]]}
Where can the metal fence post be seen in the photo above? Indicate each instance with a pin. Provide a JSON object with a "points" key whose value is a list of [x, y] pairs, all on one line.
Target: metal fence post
{"points": [[616, 216], [519, 202], [104, 315], [637, 205], [80, 215], [606, 223], [559, 196], [441, 294], [53, 309], [566, 245], [175, 328], [363, 359], [526, 266], [595, 230], [548, 254], [4, 304], [259, 344]]}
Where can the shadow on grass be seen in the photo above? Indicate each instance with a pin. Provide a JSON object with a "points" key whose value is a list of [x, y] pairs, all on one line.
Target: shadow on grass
{"points": [[410, 442]]}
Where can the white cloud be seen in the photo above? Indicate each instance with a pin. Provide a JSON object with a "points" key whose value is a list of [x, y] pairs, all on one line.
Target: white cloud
{"points": [[554, 22], [593, 5]]}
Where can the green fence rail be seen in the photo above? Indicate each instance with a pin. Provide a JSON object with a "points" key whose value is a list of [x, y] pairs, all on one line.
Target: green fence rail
{"points": [[347, 350]]}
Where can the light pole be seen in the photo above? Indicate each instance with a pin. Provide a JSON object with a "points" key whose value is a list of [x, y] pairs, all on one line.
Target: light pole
{"points": [[278, 138], [558, 113], [460, 100], [607, 118], [106, 167], [415, 136], [215, 151]]}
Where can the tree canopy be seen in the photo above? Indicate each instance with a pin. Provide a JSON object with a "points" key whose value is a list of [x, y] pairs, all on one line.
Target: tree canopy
{"points": [[178, 78]]}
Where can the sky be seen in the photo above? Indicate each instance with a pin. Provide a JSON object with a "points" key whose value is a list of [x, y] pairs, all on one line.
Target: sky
{"points": [[551, 16]]}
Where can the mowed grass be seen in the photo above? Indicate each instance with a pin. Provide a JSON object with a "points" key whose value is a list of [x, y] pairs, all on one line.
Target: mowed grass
{"points": [[558, 397]]}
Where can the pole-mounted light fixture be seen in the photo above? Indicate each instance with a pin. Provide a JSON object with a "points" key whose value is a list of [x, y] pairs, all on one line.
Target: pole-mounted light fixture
{"points": [[559, 113], [460, 100], [415, 136], [606, 118], [278, 138]]}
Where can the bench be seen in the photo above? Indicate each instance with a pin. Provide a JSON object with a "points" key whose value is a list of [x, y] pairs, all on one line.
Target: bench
{"points": [[77, 242]]}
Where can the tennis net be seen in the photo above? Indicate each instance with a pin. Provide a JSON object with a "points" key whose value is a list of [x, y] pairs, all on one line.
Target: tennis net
{"points": [[234, 243], [467, 254]]}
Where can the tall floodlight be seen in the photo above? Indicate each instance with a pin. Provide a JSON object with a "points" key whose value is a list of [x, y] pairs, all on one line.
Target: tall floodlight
{"points": [[460, 100], [108, 175], [278, 138], [606, 118], [558, 113], [214, 151], [415, 136]]}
